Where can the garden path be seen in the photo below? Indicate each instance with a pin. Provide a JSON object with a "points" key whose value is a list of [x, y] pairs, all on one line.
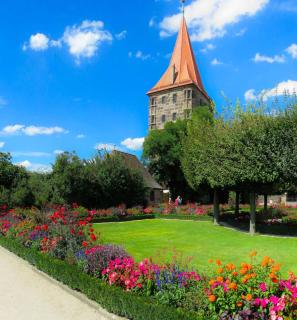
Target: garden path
{"points": [[27, 294]]}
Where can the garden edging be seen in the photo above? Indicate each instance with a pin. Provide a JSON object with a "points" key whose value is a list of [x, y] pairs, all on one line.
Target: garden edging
{"points": [[114, 299], [104, 313]]}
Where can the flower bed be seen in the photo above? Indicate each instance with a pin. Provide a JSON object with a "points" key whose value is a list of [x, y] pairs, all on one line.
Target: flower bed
{"points": [[64, 245]]}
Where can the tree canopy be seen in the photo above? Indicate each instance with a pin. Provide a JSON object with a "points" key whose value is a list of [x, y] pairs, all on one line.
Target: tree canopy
{"points": [[253, 150], [162, 151]]}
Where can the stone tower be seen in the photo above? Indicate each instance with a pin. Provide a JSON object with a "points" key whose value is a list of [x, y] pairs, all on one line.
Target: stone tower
{"points": [[180, 89]]}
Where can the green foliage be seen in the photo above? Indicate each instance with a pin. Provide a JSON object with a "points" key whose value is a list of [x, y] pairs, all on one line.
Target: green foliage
{"points": [[112, 183], [162, 151], [113, 299], [252, 150], [104, 182]]}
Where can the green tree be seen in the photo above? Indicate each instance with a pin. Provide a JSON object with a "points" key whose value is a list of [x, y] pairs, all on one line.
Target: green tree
{"points": [[113, 183], [162, 152]]}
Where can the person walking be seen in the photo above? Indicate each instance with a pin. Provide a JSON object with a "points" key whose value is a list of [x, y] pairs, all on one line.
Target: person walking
{"points": [[178, 201]]}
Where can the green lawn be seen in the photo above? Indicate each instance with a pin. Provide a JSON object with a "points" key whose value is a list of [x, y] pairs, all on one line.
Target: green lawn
{"points": [[200, 240]]}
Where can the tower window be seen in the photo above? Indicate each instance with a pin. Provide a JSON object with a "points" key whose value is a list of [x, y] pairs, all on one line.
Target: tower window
{"points": [[163, 100], [153, 101], [174, 98], [174, 116], [188, 94], [153, 119], [163, 118]]}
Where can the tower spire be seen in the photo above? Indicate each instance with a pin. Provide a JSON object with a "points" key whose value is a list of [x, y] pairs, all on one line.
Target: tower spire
{"points": [[183, 6]]}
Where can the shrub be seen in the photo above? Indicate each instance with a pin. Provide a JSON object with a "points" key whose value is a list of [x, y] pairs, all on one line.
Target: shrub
{"points": [[98, 258]]}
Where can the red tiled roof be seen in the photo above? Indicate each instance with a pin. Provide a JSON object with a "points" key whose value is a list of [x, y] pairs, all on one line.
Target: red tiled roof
{"points": [[182, 63]]}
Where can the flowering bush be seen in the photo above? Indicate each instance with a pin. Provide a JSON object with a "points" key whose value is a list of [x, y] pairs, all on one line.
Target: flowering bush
{"points": [[253, 291], [98, 258]]}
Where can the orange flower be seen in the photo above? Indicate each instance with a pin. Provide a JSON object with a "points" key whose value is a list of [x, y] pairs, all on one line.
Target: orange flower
{"points": [[243, 271], [275, 268], [220, 270], [244, 280], [265, 262], [212, 298], [218, 262], [230, 266], [210, 261], [211, 282], [253, 253], [249, 297], [235, 274], [239, 304], [233, 286], [220, 279]]}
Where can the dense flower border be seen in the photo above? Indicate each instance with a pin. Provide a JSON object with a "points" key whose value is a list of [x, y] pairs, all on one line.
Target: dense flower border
{"points": [[250, 291]]}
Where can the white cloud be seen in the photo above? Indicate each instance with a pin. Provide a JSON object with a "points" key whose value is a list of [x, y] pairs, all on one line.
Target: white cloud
{"points": [[35, 167], [216, 62], [208, 19], [122, 35], [241, 32], [25, 164], [37, 42], [36, 154], [19, 129], [208, 47], [106, 146], [2, 144], [133, 144], [152, 22], [286, 87], [80, 136], [33, 130], [262, 58], [3, 102], [12, 129], [139, 55], [292, 50], [57, 152], [84, 40], [250, 95]]}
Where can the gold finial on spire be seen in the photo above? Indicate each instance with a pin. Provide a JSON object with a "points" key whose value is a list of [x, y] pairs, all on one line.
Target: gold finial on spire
{"points": [[183, 6]]}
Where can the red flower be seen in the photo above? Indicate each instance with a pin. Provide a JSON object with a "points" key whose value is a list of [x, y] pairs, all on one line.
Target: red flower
{"points": [[93, 237], [85, 244]]}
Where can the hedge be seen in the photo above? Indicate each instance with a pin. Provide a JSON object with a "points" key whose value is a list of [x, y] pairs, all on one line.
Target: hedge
{"points": [[184, 217], [113, 299], [152, 216], [123, 219]]}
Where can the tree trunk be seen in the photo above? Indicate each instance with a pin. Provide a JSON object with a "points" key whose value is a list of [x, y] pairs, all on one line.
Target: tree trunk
{"points": [[237, 201], [265, 202], [216, 207], [252, 213]]}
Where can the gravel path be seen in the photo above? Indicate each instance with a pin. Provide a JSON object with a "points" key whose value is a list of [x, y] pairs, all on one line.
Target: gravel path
{"points": [[27, 294]]}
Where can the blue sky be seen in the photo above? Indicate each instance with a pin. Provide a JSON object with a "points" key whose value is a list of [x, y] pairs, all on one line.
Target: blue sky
{"points": [[73, 74]]}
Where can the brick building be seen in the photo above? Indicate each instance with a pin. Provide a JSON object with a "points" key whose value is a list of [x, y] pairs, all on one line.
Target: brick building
{"points": [[180, 89]]}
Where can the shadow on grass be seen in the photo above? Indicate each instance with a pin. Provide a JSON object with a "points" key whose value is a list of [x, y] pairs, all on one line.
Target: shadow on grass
{"points": [[273, 229]]}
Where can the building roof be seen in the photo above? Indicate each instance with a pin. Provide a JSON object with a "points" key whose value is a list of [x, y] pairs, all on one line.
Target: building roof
{"points": [[133, 162], [182, 69]]}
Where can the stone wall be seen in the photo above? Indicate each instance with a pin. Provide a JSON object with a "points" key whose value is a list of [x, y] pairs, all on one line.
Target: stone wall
{"points": [[173, 104]]}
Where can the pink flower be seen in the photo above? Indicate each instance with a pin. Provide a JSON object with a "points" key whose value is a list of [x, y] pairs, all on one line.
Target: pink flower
{"points": [[262, 286]]}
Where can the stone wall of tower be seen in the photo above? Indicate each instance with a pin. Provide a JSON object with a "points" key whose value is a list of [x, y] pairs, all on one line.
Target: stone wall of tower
{"points": [[173, 104]]}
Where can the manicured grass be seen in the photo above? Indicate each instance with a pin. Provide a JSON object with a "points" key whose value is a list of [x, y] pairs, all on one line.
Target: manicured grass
{"points": [[197, 239]]}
